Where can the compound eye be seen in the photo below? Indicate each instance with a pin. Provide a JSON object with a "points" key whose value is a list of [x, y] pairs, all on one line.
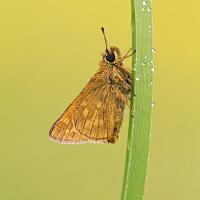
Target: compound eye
{"points": [[110, 57]]}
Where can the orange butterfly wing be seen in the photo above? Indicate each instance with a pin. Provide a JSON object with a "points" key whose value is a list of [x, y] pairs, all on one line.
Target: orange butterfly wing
{"points": [[90, 118]]}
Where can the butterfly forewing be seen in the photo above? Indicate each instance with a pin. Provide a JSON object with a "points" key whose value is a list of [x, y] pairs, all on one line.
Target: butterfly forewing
{"points": [[90, 118]]}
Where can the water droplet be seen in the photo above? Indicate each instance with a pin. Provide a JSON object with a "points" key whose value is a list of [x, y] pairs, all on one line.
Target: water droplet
{"points": [[150, 28], [137, 79], [152, 69], [153, 104], [143, 63], [144, 3], [149, 9], [145, 57], [153, 50], [151, 61]]}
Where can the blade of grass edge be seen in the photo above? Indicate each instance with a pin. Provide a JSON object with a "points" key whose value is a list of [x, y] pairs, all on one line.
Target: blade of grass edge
{"points": [[137, 153]]}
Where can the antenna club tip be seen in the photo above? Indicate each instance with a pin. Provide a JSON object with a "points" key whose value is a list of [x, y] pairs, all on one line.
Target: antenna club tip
{"points": [[102, 28]]}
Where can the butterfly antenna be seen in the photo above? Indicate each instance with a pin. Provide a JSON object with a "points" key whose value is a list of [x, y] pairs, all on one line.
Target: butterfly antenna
{"points": [[105, 39]]}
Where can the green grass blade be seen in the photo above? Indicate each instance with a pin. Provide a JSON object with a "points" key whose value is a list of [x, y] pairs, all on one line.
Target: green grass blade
{"points": [[140, 126]]}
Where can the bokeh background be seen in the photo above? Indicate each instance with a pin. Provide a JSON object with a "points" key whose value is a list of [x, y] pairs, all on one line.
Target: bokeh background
{"points": [[48, 51]]}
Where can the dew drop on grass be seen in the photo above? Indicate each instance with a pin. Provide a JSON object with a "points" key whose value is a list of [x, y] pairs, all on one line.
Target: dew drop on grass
{"points": [[150, 28], [144, 3], [153, 50], [143, 63], [153, 104], [137, 79], [149, 9]]}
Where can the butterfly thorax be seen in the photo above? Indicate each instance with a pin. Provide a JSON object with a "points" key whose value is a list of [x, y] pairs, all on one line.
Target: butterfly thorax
{"points": [[117, 75]]}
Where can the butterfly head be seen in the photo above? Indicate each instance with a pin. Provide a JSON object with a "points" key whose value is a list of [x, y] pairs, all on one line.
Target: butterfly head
{"points": [[112, 55]]}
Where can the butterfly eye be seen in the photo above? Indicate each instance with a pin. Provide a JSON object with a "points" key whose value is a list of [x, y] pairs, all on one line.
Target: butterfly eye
{"points": [[110, 57]]}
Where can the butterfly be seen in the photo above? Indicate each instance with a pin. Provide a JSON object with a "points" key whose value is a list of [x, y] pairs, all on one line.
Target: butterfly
{"points": [[96, 115]]}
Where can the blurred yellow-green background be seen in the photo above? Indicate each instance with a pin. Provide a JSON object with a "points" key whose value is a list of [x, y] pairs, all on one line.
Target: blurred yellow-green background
{"points": [[48, 51]]}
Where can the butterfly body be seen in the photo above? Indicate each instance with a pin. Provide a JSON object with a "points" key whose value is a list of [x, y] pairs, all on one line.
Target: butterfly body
{"points": [[96, 115]]}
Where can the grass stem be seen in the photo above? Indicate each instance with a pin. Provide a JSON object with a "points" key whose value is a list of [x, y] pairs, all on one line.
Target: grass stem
{"points": [[140, 125]]}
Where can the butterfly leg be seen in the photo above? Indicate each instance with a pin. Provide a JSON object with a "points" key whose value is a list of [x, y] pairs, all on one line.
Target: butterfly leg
{"points": [[124, 99], [130, 109]]}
